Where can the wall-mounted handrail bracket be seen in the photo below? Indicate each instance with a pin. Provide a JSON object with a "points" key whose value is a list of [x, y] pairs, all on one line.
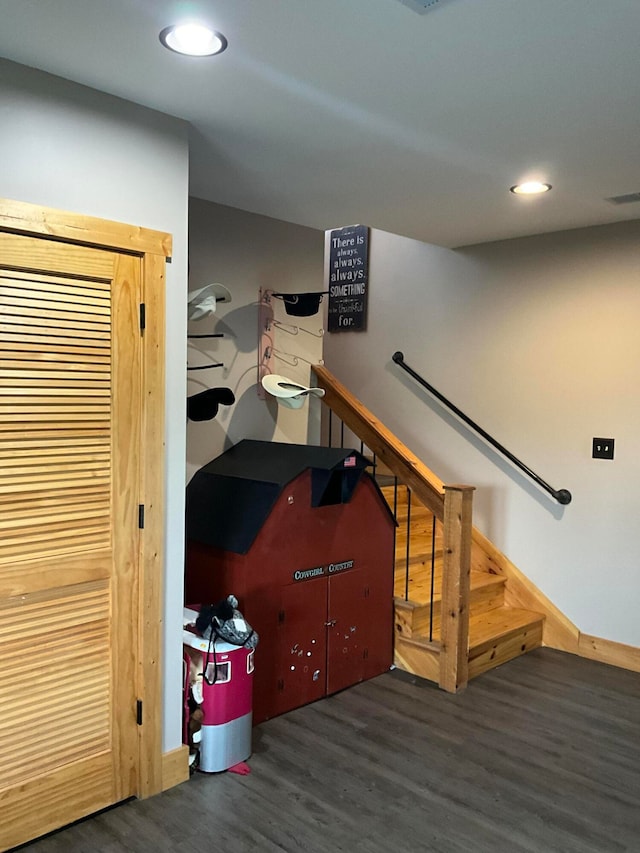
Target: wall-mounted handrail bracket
{"points": [[563, 496]]}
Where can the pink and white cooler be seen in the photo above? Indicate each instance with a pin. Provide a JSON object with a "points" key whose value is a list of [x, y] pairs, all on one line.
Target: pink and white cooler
{"points": [[227, 704]]}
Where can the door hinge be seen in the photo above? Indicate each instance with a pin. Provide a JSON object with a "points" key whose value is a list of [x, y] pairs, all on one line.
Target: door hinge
{"points": [[141, 516], [139, 712], [143, 316]]}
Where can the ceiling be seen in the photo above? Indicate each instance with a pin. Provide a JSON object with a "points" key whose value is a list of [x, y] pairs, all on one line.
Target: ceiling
{"points": [[334, 112]]}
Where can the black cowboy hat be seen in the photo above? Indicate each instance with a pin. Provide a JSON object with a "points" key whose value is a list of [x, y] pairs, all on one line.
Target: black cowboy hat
{"points": [[204, 406], [301, 304]]}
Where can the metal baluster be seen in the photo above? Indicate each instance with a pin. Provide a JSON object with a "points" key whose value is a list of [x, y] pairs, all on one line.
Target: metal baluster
{"points": [[433, 567], [406, 570]]}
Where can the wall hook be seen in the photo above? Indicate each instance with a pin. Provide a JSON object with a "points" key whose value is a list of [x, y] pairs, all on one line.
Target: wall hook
{"points": [[293, 330], [295, 359], [206, 366]]}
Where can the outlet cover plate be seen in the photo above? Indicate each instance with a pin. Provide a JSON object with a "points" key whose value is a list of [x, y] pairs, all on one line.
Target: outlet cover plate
{"points": [[603, 448]]}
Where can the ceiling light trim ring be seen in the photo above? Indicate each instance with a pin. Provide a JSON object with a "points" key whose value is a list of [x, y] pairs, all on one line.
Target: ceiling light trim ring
{"points": [[167, 39], [530, 188]]}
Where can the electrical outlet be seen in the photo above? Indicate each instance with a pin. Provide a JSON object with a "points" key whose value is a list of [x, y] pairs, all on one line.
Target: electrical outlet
{"points": [[603, 448]]}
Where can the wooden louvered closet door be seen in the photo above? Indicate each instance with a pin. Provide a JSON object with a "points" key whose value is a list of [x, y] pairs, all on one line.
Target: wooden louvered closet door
{"points": [[69, 471]]}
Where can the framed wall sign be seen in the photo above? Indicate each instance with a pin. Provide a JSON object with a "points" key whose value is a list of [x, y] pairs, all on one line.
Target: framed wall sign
{"points": [[348, 278]]}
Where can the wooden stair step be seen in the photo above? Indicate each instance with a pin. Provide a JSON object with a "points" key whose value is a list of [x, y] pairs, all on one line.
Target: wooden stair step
{"points": [[420, 538], [401, 497], [413, 617], [420, 541], [419, 563], [417, 512], [480, 583], [416, 548], [420, 524], [502, 634], [496, 633], [420, 554], [498, 636], [402, 507], [498, 623], [418, 656]]}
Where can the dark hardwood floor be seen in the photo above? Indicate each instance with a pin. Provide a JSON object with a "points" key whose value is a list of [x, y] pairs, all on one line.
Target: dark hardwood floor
{"points": [[541, 755]]}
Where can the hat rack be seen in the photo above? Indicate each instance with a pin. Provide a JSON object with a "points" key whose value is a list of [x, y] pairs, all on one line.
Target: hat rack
{"points": [[213, 335], [284, 356], [265, 338], [203, 301], [290, 329], [206, 366], [269, 327]]}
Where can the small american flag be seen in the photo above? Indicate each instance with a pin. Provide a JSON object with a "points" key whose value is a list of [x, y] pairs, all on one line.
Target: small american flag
{"points": [[350, 462]]}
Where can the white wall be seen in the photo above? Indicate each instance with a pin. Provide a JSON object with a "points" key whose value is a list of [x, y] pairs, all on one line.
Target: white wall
{"points": [[72, 148], [537, 341], [246, 252]]}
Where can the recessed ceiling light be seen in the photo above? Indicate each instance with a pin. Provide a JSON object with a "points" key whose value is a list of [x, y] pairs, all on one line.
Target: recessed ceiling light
{"points": [[193, 39], [530, 188]]}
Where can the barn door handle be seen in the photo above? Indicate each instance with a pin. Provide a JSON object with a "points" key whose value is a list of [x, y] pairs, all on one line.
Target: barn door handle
{"points": [[330, 624]]}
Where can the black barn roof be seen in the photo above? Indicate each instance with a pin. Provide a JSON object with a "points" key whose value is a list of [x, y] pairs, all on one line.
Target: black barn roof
{"points": [[230, 498]]}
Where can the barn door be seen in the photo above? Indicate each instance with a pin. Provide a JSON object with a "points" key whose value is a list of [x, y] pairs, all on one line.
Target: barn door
{"points": [[349, 624], [70, 387], [360, 638], [302, 645]]}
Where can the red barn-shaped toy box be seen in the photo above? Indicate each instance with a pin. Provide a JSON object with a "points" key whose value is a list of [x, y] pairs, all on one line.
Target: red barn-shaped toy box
{"points": [[303, 537]]}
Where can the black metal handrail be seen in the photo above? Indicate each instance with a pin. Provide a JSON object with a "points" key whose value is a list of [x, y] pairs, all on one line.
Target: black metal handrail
{"points": [[563, 496]]}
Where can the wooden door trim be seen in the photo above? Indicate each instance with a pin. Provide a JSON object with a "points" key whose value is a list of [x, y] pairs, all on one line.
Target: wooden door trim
{"points": [[153, 247], [25, 218], [152, 542]]}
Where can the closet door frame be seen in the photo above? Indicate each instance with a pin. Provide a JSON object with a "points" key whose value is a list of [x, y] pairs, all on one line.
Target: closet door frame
{"points": [[153, 248]]}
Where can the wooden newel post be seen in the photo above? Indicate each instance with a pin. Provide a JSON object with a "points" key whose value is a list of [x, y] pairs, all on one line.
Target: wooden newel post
{"points": [[454, 643]]}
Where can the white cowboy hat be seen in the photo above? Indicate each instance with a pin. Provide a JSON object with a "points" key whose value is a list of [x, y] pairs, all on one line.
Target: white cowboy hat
{"points": [[287, 392], [203, 301]]}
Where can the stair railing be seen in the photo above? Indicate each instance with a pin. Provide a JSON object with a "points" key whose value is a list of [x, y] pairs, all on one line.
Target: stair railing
{"points": [[451, 504], [563, 496]]}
